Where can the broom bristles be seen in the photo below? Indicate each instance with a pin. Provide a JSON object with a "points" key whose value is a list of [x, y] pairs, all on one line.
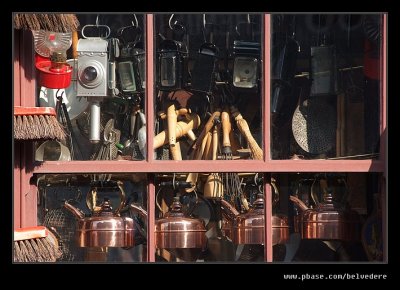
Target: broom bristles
{"points": [[241, 123], [38, 127], [245, 130], [36, 250], [56, 22], [35, 244]]}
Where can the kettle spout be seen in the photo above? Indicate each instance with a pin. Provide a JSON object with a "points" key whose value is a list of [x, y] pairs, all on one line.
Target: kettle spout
{"points": [[75, 211], [228, 210], [139, 210], [300, 204]]}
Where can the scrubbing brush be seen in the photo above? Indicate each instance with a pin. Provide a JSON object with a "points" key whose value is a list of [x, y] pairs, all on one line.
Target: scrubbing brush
{"points": [[35, 244], [37, 123]]}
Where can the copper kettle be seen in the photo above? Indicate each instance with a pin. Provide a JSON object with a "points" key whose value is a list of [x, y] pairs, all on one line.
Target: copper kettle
{"points": [[329, 220], [176, 230], [248, 228], [104, 228]]}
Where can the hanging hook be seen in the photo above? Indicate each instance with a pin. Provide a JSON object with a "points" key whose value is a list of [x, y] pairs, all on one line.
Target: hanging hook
{"points": [[248, 19], [204, 21], [136, 24], [173, 181], [255, 179], [97, 20], [170, 20], [157, 203]]}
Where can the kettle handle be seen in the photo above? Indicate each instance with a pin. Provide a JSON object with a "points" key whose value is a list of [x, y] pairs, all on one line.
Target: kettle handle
{"points": [[122, 196], [313, 194], [276, 191], [92, 204]]}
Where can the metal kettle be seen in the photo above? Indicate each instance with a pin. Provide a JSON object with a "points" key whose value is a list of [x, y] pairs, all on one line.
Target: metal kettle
{"points": [[176, 230], [103, 228], [329, 220], [248, 228]]}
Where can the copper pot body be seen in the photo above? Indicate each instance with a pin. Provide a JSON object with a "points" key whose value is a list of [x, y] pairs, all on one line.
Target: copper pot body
{"points": [[177, 231], [251, 230], [248, 228], [105, 232], [280, 229], [330, 225]]}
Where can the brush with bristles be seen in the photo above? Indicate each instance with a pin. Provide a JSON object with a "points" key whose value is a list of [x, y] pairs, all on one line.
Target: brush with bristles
{"points": [[56, 22], [35, 244], [241, 123], [37, 123]]}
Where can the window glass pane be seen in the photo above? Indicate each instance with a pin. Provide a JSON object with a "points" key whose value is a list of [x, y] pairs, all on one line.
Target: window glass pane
{"points": [[93, 218], [210, 217], [325, 85], [102, 108], [208, 86], [332, 217]]}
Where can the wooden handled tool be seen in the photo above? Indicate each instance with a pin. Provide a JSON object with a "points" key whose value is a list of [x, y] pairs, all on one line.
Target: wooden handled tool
{"points": [[172, 119], [213, 187], [207, 128], [74, 44], [245, 130], [181, 129], [181, 112], [226, 129], [192, 177]]}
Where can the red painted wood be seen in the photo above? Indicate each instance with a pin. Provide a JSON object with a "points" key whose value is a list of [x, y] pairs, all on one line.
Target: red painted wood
{"points": [[150, 84], [211, 166], [151, 214], [268, 256], [267, 87], [26, 193], [17, 145], [150, 134], [18, 111]]}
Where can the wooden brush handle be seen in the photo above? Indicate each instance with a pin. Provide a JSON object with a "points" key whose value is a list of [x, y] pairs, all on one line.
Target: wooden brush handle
{"points": [[176, 151], [213, 187], [180, 112], [181, 129], [75, 44], [172, 119], [191, 135], [207, 149], [235, 145], [25, 111], [226, 129], [215, 139], [207, 127], [30, 233], [192, 177]]}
